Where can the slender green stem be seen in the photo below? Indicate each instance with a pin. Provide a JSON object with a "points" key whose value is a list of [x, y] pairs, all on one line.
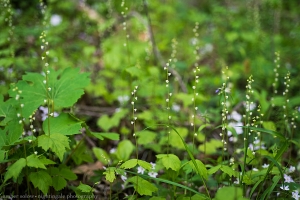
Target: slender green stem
{"points": [[27, 179]]}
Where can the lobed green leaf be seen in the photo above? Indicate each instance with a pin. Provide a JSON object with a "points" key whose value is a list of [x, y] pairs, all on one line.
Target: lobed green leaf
{"points": [[58, 143], [42, 184]]}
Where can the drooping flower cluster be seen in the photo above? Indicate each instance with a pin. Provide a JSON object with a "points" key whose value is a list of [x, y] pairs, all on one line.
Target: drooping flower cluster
{"points": [[134, 99]]}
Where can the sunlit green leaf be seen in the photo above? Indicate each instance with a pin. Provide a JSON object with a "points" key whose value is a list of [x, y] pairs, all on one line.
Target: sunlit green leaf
{"points": [[15, 169], [170, 161], [63, 124], [129, 164], [142, 186], [84, 188], [124, 150], [58, 143], [231, 193], [34, 161], [201, 167], [101, 155], [64, 89], [110, 174]]}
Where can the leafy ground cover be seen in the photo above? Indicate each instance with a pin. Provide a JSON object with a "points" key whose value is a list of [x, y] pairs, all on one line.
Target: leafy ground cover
{"points": [[149, 99]]}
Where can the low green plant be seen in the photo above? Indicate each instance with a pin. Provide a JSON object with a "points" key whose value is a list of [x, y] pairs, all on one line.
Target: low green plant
{"points": [[158, 130]]}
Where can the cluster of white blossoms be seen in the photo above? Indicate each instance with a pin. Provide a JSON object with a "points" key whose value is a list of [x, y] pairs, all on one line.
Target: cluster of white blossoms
{"points": [[45, 114], [235, 123], [288, 179], [151, 173]]}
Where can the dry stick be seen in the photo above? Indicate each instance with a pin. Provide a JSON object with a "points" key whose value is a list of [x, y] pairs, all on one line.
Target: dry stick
{"points": [[158, 59]]}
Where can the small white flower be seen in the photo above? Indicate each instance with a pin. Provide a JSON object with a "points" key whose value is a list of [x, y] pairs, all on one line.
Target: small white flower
{"points": [[233, 139], [265, 165], [112, 150], [237, 181], [153, 165], [295, 195], [124, 177], [288, 179], [284, 187], [153, 174], [237, 127], [291, 169], [141, 170], [175, 107], [235, 116], [123, 99], [55, 20]]}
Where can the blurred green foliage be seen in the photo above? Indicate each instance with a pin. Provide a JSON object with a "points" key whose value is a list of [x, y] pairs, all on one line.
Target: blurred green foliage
{"points": [[128, 45]]}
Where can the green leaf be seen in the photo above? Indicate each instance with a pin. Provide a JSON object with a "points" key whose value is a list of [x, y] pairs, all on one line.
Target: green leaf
{"points": [[15, 169], [111, 136], [214, 169], [46, 161], [185, 98], [41, 180], [157, 198], [231, 193], [228, 170], [211, 146], [84, 188], [129, 164], [169, 182], [66, 88], [58, 143], [142, 186], [134, 71], [58, 183], [105, 122], [175, 140], [201, 167], [124, 150], [11, 133], [53, 171], [110, 174], [2, 155], [269, 125], [6, 111], [63, 172], [198, 197], [170, 161], [101, 155], [33, 161], [144, 164], [63, 124], [145, 137], [81, 154], [66, 173]]}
